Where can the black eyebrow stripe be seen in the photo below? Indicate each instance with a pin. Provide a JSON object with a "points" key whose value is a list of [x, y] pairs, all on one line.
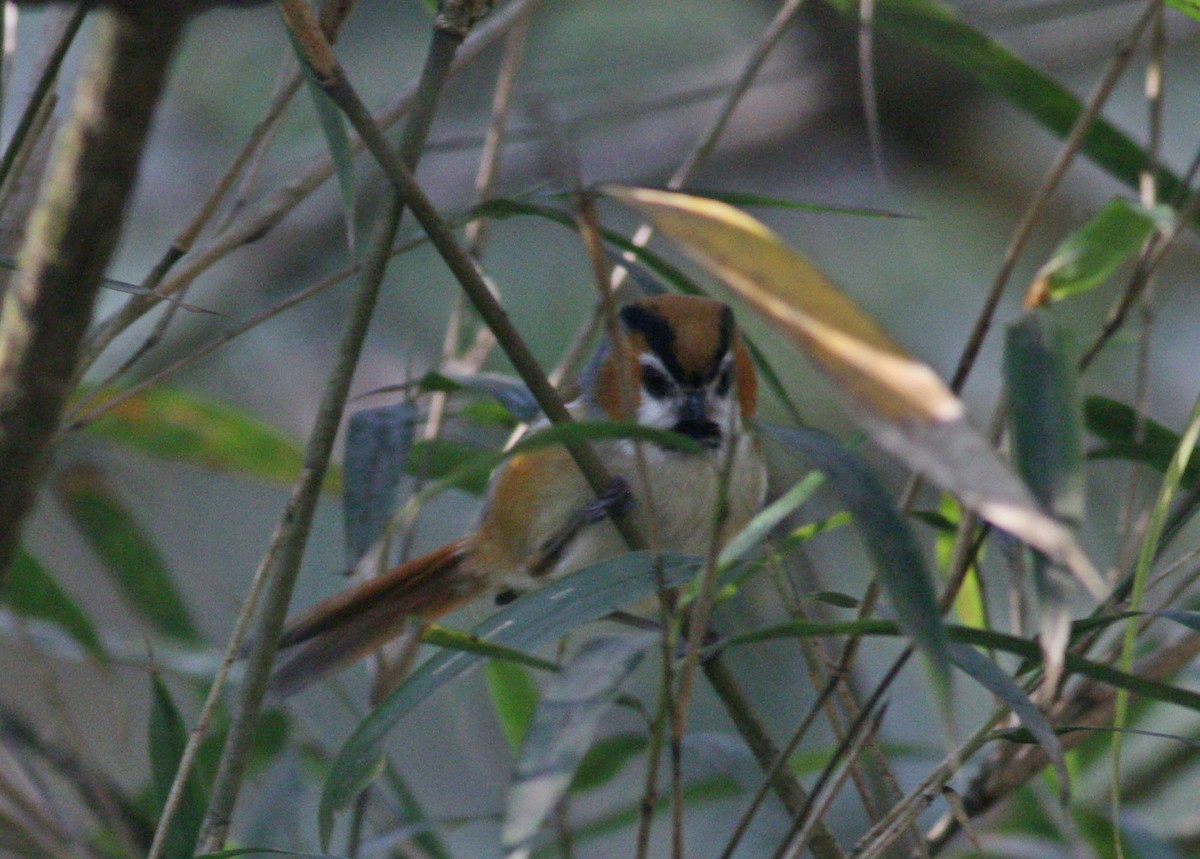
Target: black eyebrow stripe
{"points": [[660, 336]]}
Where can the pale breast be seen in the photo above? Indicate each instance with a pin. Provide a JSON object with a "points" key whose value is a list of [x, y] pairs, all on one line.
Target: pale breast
{"points": [[679, 511]]}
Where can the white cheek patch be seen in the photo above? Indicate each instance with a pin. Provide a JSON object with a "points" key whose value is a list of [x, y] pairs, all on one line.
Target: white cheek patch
{"points": [[652, 411]]}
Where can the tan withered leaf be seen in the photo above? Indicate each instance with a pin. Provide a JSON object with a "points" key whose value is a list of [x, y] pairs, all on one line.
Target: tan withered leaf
{"points": [[902, 403]]}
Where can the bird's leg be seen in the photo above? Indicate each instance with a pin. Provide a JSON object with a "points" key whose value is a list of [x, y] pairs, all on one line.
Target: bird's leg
{"points": [[614, 500]]}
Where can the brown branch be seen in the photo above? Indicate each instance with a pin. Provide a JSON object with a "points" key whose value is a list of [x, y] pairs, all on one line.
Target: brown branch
{"points": [[71, 237]]}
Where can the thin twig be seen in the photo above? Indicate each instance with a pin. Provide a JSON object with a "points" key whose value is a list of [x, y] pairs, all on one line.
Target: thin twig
{"points": [[282, 562], [1033, 212], [273, 208], [45, 81]]}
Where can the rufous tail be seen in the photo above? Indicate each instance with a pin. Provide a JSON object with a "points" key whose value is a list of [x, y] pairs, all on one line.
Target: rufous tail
{"points": [[356, 622]]}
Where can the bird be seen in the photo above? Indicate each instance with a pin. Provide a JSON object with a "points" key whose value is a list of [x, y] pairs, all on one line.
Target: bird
{"points": [[686, 368]]}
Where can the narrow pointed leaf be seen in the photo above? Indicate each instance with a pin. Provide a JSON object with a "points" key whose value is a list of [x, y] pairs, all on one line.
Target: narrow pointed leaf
{"points": [[340, 153], [988, 675], [901, 402], [450, 460], [1023, 647], [764, 522], [514, 698], [1152, 443], [377, 445], [739, 198], [899, 563], [1047, 429], [1045, 414], [167, 738], [506, 390], [605, 760], [934, 26], [1147, 555], [1190, 8], [1088, 257], [544, 615], [31, 591], [171, 423], [126, 550], [562, 731]]}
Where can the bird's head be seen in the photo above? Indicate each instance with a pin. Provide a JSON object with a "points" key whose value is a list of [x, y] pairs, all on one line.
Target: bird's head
{"points": [[687, 369]]}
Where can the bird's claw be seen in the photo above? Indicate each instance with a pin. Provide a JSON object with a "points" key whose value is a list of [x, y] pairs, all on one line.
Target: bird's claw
{"points": [[613, 501]]}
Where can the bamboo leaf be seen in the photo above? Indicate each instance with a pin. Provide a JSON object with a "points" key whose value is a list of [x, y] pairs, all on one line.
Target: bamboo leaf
{"points": [[171, 423], [126, 550], [377, 446], [1117, 423], [167, 738], [934, 27], [988, 675], [562, 730], [1047, 445], [605, 760], [1191, 8], [889, 541], [32, 592], [765, 520], [1088, 257], [541, 616], [333, 127], [1147, 555], [456, 463], [506, 390], [901, 402], [739, 198], [514, 698], [1023, 647], [1045, 414]]}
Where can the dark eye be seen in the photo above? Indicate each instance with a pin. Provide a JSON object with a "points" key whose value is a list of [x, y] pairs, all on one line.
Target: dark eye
{"points": [[724, 380], [656, 384]]}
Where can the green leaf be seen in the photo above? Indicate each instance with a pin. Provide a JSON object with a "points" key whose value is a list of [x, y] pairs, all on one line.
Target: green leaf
{"points": [[1048, 450], [1147, 555], [340, 153], [833, 598], [377, 447], [934, 27], [566, 720], [1117, 424], [1023, 647], [32, 592], [1045, 414], [539, 617], [263, 851], [988, 675], [764, 522], [506, 390], [606, 758], [170, 423], [739, 198], [167, 738], [454, 463], [1190, 8], [514, 698], [1088, 257], [899, 564], [454, 639], [127, 551]]}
